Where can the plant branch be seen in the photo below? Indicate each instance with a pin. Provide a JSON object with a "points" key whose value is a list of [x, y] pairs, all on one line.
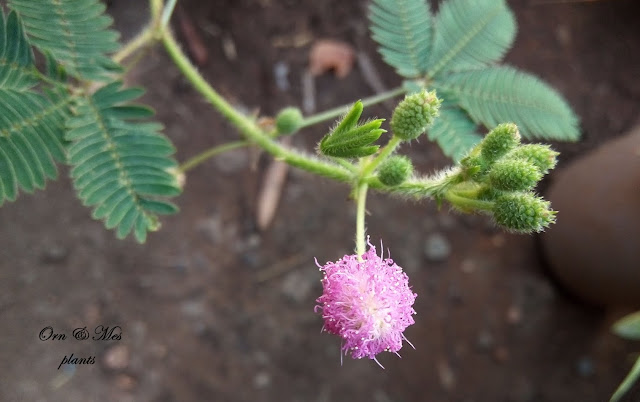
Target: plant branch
{"points": [[340, 110], [428, 187], [245, 124], [386, 151], [361, 200], [167, 12], [139, 41]]}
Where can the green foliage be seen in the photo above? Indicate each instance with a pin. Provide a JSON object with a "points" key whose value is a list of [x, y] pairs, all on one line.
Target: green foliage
{"points": [[628, 327], [454, 132], [493, 95], [16, 58], [31, 125], [74, 32], [403, 30], [351, 139], [455, 52], [470, 34], [121, 166]]}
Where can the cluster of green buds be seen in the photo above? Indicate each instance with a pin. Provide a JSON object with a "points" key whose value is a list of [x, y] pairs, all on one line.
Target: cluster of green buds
{"points": [[498, 176]]}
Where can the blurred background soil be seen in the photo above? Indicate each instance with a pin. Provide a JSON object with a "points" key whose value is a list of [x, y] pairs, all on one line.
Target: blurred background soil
{"points": [[211, 309]]}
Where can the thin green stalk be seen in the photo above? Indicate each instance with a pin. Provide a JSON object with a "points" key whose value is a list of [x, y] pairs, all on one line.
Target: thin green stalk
{"points": [[156, 9], [167, 12], [140, 40], [361, 200], [245, 124], [340, 110], [465, 203], [384, 154], [210, 153], [631, 378]]}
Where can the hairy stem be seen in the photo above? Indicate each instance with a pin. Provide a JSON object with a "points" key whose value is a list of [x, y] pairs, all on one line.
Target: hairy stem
{"points": [[139, 41], [210, 153], [245, 124], [340, 110], [428, 187], [361, 200], [468, 204], [384, 154]]}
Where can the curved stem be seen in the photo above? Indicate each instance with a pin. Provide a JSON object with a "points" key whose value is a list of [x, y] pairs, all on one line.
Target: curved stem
{"points": [[156, 9], [386, 151], [423, 188], [361, 201], [167, 12], [210, 153], [245, 124], [140, 40], [340, 110]]}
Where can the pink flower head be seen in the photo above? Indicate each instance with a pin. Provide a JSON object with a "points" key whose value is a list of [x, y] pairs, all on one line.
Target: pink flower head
{"points": [[367, 302]]}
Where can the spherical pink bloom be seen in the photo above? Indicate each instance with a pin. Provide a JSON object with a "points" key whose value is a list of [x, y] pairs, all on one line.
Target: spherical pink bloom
{"points": [[367, 302]]}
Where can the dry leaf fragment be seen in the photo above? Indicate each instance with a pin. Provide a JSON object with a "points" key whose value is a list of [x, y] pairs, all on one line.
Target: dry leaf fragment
{"points": [[329, 55], [269, 196], [194, 41]]}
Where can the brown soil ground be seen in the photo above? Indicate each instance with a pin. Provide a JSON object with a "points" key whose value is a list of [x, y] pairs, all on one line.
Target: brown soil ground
{"points": [[213, 310]]}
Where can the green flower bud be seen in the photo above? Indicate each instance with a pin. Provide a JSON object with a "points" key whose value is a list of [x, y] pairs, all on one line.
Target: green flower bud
{"points": [[289, 120], [514, 175], [542, 156], [499, 141], [395, 170], [523, 212], [415, 114]]}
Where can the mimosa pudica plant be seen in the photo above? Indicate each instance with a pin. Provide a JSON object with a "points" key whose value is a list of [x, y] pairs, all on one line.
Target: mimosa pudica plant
{"points": [[77, 111]]}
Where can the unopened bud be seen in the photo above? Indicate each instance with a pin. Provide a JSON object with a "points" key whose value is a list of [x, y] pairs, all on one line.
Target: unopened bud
{"points": [[415, 114], [395, 170], [542, 156], [514, 175], [499, 141], [289, 120], [523, 212]]}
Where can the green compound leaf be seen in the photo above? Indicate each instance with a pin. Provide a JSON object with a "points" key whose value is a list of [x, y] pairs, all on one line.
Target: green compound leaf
{"points": [[121, 167], [31, 125], [470, 34], [74, 32], [31, 131], [403, 29], [350, 139], [16, 58], [453, 131], [628, 327], [493, 95]]}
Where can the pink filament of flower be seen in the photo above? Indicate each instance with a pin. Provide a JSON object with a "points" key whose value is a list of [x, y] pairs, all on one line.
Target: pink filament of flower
{"points": [[368, 303]]}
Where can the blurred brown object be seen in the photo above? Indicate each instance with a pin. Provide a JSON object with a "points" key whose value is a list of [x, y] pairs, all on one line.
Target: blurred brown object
{"points": [[594, 248], [271, 190], [192, 38], [327, 55]]}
